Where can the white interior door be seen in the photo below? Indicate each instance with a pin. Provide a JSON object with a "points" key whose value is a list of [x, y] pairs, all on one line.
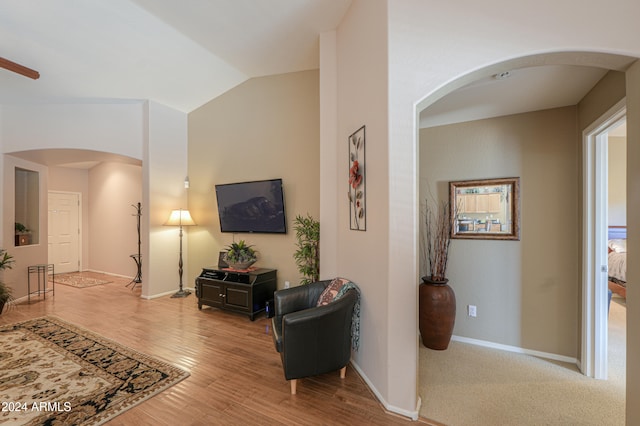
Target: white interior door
{"points": [[64, 231], [593, 362]]}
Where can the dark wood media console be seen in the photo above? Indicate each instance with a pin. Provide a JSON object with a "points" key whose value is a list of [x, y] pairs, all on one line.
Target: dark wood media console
{"points": [[244, 292]]}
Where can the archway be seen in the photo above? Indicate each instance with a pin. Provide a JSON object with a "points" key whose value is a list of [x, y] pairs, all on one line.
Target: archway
{"points": [[601, 61], [104, 186]]}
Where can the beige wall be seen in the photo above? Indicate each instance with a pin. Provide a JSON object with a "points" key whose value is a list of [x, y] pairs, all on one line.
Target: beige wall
{"points": [[527, 291], [143, 130], [109, 233], [105, 234], [113, 189], [609, 90], [364, 256], [108, 127], [633, 228], [164, 169], [265, 128], [617, 190], [422, 63], [33, 254]]}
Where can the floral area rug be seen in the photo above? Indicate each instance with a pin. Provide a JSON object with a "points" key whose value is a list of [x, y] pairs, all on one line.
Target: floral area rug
{"points": [[78, 279], [55, 373]]}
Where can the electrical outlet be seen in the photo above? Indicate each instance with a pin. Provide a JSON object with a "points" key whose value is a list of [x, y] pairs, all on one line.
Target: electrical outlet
{"points": [[286, 284], [471, 310]]}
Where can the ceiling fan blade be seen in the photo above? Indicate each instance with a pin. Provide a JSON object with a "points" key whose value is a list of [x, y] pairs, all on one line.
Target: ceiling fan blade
{"points": [[20, 69]]}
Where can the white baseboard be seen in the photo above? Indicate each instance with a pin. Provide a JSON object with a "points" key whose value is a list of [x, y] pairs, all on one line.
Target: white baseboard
{"points": [[413, 415], [155, 296], [515, 349], [19, 300], [106, 273], [167, 293]]}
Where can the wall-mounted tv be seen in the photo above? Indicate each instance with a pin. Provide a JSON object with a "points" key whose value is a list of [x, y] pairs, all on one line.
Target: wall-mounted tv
{"points": [[256, 206]]}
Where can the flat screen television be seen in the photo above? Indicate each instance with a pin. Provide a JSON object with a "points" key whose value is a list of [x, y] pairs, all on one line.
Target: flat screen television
{"points": [[256, 206]]}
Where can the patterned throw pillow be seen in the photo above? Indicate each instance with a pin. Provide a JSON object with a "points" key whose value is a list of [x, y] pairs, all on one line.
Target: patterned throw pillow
{"points": [[329, 293]]}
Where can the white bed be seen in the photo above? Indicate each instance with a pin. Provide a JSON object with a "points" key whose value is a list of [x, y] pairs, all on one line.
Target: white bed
{"points": [[617, 260]]}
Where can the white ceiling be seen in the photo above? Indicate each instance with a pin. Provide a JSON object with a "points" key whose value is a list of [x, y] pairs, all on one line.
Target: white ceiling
{"points": [[524, 90], [73, 158], [178, 53], [184, 53]]}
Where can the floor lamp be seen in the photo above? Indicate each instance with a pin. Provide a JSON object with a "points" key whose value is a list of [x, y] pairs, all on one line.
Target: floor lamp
{"points": [[180, 218]]}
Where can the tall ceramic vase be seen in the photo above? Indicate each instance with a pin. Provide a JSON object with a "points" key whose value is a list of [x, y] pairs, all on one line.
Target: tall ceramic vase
{"points": [[437, 311]]}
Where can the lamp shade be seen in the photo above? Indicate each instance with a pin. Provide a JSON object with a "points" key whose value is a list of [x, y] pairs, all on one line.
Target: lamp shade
{"points": [[180, 218]]}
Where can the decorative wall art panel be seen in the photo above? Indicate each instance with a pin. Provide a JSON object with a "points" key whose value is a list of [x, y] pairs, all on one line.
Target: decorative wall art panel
{"points": [[357, 184]]}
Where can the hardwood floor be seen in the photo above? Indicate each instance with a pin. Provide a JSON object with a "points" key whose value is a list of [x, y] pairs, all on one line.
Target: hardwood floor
{"points": [[236, 374]]}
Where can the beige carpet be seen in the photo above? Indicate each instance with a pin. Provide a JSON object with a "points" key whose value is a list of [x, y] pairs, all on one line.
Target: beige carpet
{"points": [[54, 373], [81, 279], [473, 385]]}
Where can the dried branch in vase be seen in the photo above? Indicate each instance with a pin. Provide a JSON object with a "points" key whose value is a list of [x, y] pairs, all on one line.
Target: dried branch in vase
{"points": [[438, 237]]}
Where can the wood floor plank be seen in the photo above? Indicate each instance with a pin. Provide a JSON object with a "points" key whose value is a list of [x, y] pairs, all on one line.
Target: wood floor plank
{"points": [[236, 374]]}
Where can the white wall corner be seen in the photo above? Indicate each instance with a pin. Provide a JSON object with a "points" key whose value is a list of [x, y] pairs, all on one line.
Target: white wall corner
{"points": [[164, 170], [328, 155], [413, 415]]}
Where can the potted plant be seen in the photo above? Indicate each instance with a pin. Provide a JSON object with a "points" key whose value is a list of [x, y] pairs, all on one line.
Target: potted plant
{"points": [[240, 255], [307, 256], [437, 300], [6, 293], [23, 236]]}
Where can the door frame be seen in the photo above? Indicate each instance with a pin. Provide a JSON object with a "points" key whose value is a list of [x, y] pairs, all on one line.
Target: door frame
{"points": [[593, 360], [80, 232]]}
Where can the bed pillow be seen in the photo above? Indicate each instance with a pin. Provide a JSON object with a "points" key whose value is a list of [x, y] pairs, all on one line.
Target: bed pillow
{"points": [[618, 245]]}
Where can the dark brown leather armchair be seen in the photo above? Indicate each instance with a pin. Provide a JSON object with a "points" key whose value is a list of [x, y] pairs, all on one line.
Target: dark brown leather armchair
{"points": [[312, 339]]}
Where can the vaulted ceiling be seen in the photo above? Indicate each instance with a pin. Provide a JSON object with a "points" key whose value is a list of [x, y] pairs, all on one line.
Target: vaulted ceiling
{"points": [[184, 53], [180, 54]]}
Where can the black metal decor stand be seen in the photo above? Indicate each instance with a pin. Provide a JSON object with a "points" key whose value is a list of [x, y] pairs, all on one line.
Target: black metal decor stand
{"points": [[137, 257]]}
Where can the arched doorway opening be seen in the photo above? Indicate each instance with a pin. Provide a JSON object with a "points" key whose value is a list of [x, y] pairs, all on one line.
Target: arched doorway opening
{"points": [[529, 298], [103, 186]]}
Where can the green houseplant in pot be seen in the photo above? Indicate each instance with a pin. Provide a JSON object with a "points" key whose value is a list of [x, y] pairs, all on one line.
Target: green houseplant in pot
{"points": [[6, 294], [240, 255], [307, 256], [437, 300], [23, 234]]}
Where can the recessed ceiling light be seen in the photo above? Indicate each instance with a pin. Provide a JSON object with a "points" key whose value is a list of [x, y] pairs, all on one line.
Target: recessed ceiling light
{"points": [[502, 75]]}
